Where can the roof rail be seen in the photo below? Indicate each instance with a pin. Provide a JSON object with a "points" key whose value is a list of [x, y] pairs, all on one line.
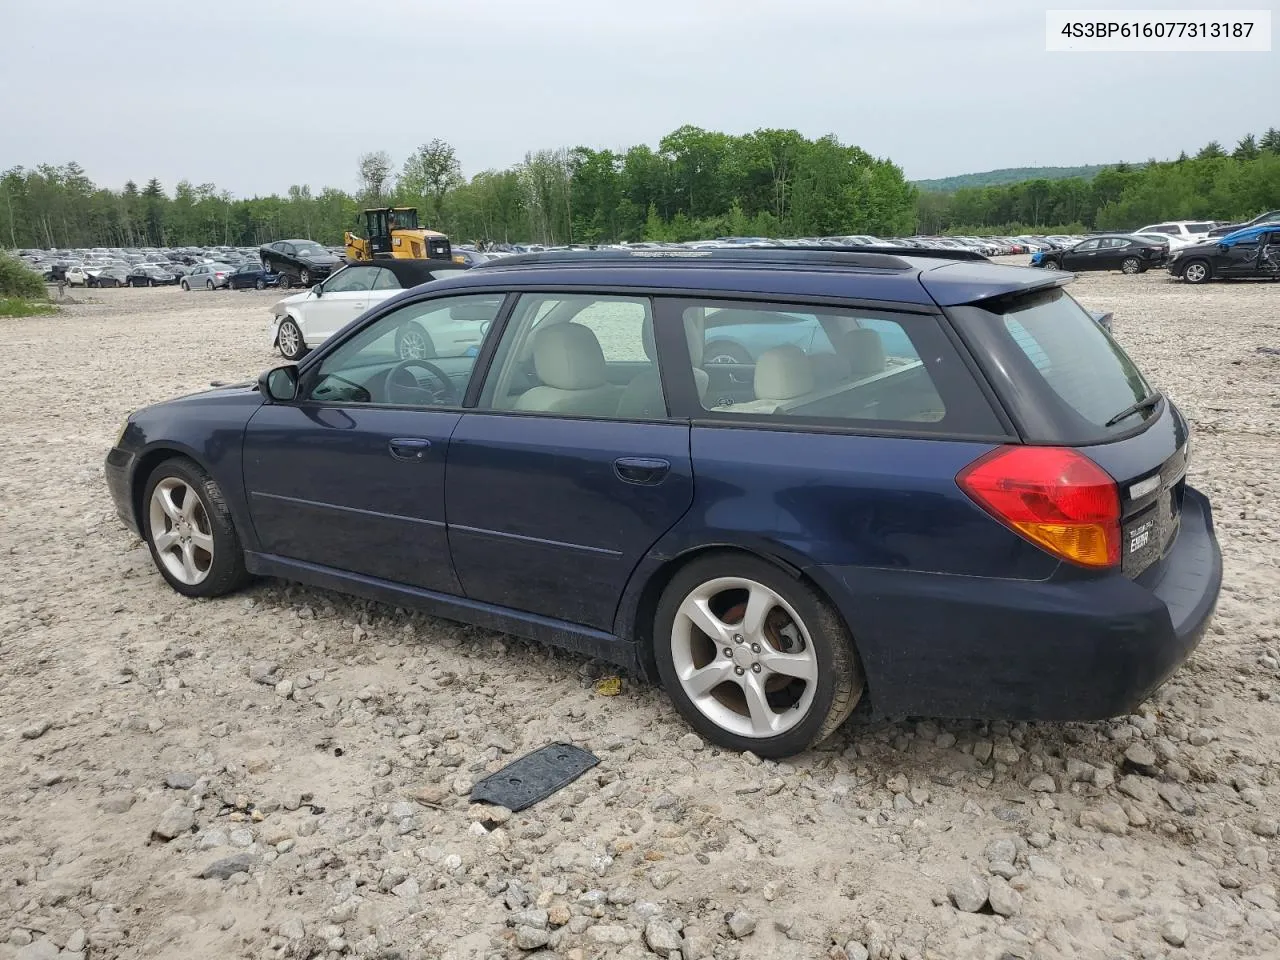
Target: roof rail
{"points": [[867, 258], [933, 253]]}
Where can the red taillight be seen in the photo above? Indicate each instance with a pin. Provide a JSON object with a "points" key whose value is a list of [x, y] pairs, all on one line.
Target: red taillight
{"points": [[1055, 497]]}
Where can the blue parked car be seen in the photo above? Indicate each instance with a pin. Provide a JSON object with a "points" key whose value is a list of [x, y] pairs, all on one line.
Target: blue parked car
{"points": [[955, 495]]}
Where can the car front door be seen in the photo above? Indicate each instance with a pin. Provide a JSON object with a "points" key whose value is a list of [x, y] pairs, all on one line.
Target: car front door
{"points": [[1083, 256], [553, 494], [343, 297], [351, 476]]}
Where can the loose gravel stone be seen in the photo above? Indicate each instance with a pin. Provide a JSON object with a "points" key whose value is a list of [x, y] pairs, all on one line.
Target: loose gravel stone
{"points": [[662, 938], [1142, 758], [742, 924], [1174, 932], [1004, 900], [228, 866], [174, 822], [969, 893], [36, 730]]}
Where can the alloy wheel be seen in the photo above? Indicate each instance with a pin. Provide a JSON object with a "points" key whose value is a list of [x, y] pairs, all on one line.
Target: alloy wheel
{"points": [[744, 657], [413, 346], [180, 531], [1196, 272], [1130, 265], [290, 339], [305, 278]]}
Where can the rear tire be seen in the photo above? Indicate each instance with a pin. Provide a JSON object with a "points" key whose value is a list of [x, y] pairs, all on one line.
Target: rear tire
{"points": [[414, 343], [208, 284], [193, 543], [1131, 265], [753, 658], [260, 284], [1197, 271]]}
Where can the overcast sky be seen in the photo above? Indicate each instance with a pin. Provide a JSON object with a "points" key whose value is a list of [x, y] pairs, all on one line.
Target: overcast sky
{"points": [[255, 96]]}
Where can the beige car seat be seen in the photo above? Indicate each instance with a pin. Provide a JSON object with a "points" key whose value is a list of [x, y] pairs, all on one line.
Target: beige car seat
{"points": [[568, 360], [782, 374], [642, 398]]}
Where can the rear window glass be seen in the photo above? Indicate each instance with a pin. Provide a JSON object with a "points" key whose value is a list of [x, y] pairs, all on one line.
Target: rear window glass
{"points": [[1082, 366]]}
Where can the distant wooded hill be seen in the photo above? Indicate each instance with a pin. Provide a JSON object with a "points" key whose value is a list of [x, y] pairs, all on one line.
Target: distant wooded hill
{"points": [[996, 178]]}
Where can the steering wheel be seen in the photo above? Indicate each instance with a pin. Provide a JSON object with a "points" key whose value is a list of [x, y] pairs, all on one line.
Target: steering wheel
{"points": [[403, 386]]}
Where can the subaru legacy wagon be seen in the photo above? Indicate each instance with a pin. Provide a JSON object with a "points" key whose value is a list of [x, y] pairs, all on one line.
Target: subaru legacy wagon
{"points": [[963, 499]]}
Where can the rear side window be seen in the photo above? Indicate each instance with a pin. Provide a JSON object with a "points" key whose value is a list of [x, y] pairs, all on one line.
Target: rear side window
{"points": [[842, 367], [1060, 361]]}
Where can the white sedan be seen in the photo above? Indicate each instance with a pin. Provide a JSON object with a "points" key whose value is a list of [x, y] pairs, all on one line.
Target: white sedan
{"points": [[303, 321]]}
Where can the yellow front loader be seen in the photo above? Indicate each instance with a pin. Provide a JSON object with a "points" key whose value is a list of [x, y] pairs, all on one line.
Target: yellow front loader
{"points": [[394, 232]]}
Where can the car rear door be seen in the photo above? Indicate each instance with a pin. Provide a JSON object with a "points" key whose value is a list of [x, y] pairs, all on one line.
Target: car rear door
{"points": [[552, 498]]}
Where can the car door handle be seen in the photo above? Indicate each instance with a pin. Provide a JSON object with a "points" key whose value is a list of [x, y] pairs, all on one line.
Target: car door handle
{"points": [[641, 469], [410, 450]]}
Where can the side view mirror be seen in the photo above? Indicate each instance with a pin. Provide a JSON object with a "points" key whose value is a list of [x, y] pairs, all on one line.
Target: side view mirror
{"points": [[279, 385], [317, 290]]}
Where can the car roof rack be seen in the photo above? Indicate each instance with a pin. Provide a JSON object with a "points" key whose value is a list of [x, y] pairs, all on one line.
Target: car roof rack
{"points": [[864, 257]]}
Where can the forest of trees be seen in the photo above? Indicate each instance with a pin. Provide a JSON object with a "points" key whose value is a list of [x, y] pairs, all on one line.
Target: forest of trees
{"points": [[1212, 185], [696, 184]]}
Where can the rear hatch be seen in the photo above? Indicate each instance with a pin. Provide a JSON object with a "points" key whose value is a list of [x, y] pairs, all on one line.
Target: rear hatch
{"points": [[1065, 382]]}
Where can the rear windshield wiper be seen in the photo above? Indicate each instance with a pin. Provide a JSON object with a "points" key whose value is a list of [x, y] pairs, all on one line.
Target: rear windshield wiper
{"points": [[1146, 403]]}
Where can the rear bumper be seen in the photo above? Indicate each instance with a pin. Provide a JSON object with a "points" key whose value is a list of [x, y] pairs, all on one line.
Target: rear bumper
{"points": [[1076, 647]]}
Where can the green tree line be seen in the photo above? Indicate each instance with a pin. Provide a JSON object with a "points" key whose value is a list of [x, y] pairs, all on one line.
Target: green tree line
{"points": [[696, 184], [1212, 185]]}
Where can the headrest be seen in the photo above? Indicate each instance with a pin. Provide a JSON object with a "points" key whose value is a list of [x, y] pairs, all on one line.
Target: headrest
{"points": [[783, 373], [568, 356], [863, 350], [693, 331]]}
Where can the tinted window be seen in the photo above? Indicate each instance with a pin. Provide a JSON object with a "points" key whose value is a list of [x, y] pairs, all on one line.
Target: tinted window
{"points": [[1089, 245], [1199, 227], [1060, 343], [795, 364]]}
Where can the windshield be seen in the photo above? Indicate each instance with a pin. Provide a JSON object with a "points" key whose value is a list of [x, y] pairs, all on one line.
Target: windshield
{"points": [[1050, 337]]}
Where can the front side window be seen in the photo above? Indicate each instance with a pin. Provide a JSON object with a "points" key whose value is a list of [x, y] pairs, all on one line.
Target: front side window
{"points": [[351, 280], [394, 361], [578, 356], [795, 364], [385, 280]]}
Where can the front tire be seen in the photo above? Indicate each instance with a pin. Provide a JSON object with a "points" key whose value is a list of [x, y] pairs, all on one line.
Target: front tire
{"points": [[753, 658], [1197, 271], [189, 531], [186, 286], [414, 343], [289, 340], [304, 277]]}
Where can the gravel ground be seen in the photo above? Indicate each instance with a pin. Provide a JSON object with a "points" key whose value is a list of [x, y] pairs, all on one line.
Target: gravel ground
{"points": [[282, 773]]}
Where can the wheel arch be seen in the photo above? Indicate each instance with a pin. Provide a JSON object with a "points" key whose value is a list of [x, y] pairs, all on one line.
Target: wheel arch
{"points": [[640, 601], [146, 464]]}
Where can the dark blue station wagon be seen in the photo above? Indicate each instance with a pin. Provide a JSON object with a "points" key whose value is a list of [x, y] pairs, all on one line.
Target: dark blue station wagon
{"points": [[962, 499]]}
